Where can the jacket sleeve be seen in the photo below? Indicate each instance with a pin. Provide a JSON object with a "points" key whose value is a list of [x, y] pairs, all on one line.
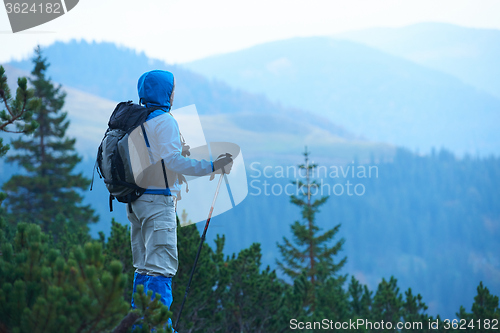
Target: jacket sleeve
{"points": [[170, 147]]}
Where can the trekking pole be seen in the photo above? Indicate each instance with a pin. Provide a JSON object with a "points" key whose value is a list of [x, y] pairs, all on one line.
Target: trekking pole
{"points": [[199, 250]]}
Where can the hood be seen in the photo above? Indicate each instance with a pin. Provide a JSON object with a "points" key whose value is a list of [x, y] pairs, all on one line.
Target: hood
{"points": [[155, 88]]}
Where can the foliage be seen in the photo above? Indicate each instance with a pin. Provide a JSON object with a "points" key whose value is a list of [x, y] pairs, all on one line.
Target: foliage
{"points": [[118, 248], [43, 289], [154, 314], [309, 251], [251, 299], [227, 294], [484, 310], [200, 311], [18, 110], [47, 194], [43, 292]]}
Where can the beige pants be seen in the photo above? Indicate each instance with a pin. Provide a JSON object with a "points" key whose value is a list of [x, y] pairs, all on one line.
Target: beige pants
{"points": [[153, 233]]}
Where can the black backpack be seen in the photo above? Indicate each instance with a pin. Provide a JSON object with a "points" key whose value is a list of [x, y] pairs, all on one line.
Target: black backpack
{"points": [[113, 160]]}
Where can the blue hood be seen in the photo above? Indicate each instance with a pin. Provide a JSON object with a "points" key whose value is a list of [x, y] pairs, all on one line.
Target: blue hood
{"points": [[155, 88]]}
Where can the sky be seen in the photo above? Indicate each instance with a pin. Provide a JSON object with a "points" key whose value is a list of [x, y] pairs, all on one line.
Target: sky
{"points": [[180, 31]]}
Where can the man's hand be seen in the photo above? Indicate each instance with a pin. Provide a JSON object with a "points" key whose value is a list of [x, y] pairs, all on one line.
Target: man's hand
{"points": [[223, 163]]}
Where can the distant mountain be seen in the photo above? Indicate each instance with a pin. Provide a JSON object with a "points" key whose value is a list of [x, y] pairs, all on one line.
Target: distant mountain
{"points": [[111, 72], [276, 136], [466, 53], [374, 94]]}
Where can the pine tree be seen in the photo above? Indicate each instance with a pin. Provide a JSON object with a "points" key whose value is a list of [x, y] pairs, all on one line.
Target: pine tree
{"points": [[42, 291], [201, 312], [360, 299], [414, 312], [485, 312], [359, 302], [227, 294], [387, 303], [47, 194], [18, 110], [310, 252], [252, 299], [118, 248]]}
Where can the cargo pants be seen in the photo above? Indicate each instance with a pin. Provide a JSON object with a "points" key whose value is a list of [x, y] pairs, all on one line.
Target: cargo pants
{"points": [[153, 233]]}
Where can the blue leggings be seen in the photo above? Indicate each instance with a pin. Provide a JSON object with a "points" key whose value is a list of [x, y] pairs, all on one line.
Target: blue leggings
{"points": [[158, 284]]}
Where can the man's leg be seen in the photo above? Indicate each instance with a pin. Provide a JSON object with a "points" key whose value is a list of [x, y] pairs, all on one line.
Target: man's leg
{"points": [[161, 285], [160, 238], [138, 252], [138, 280], [159, 231]]}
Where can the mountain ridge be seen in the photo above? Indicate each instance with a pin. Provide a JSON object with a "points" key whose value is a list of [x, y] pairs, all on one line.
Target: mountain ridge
{"points": [[269, 137], [470, 54], [372, 93]]}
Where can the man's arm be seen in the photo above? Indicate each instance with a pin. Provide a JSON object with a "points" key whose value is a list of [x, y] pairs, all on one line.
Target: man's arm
{"points": [[170, 148]]}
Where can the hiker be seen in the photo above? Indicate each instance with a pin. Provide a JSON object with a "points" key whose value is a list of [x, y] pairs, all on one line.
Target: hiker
{"points": [[153, 214]]}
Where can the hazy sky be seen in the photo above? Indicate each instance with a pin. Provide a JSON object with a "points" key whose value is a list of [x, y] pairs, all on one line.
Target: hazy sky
{"points": [[180, 31]]}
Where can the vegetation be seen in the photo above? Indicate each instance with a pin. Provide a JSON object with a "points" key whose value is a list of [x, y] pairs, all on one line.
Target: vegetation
{"points": [[47, 193], [18, 111], [311, 255]]}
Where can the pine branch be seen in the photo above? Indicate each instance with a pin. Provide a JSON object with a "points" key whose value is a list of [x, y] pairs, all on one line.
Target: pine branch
{"points": [[16, 113]]}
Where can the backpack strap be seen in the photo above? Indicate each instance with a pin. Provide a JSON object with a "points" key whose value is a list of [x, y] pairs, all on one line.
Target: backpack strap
{"points": [[121, 183], [96, 164], [180, 177], [164, 173], [111, 198], [93, 173], [162, 162], [129, 203]]}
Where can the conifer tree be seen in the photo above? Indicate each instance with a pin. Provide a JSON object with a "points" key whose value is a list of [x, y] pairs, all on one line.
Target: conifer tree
{"points": [[41, 291], [200, 313], [389, 305], [16, 111], [387, 302], [227, 294], [310, 251], [485, 312], [414, 311], [118, 248], [47, 193], [360, 299], [252, 299]]}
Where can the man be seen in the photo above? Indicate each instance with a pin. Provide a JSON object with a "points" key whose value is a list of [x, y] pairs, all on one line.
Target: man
{"points": [[153, 215]]}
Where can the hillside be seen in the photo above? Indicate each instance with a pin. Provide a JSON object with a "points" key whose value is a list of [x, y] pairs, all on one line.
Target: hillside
{"points": [[278, 134], [372, 93], [255, 123]]}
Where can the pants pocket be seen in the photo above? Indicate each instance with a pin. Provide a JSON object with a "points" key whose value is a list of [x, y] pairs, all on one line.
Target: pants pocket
{"points": [[165, 234]]}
